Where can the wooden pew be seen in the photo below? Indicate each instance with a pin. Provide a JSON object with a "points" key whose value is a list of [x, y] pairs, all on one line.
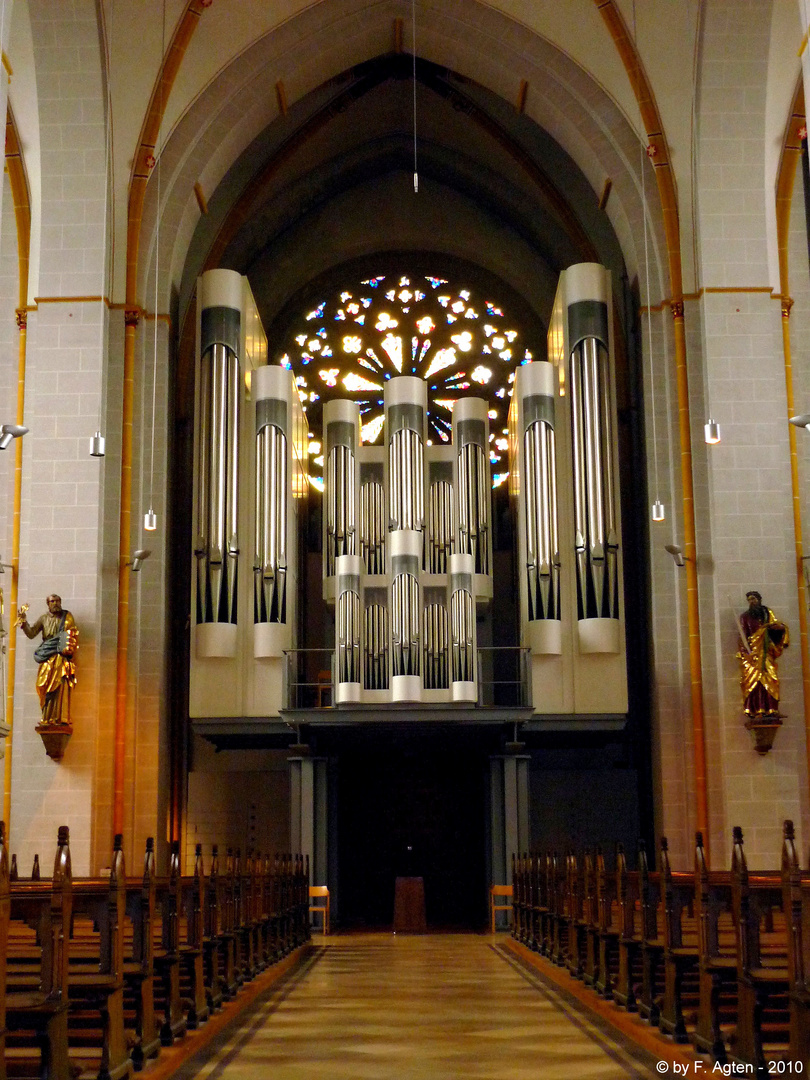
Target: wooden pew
{"points": [[630, 936], [96, 977], [717, 946], [139, 967], [191, 931], [608, 929], [214, 935], [575, 901], [167, 950], [796, 904], [36, 996], [590, 972], [5, 907], [652, 938], [762, 958], [681, 952]]}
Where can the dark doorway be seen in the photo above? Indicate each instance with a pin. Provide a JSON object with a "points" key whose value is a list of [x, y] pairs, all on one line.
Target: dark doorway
{"points": [[413, 807]]}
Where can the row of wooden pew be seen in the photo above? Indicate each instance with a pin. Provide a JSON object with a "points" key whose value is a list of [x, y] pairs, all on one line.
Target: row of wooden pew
{"points": [[97, 974], [720, 958]]}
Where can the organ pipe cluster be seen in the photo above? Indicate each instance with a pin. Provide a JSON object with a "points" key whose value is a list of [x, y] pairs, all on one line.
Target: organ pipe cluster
{"points": [[249, 478], [563, 477], [407, 549], [217, 530]]}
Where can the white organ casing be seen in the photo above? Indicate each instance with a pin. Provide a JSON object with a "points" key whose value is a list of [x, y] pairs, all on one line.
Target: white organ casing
{"points": [[562, 428], [401, 504], [237, 662]]}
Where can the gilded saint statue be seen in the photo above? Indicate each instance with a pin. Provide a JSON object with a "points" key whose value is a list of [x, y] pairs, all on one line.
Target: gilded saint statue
{"points": [[763, 640], [57, 670]]}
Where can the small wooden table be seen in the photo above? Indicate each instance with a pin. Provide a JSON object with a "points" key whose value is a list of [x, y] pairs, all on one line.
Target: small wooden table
{"points": [[409, 906]]}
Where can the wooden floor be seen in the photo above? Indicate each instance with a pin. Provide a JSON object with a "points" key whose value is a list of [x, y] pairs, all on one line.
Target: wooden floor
{"points": [[433, 1007]]}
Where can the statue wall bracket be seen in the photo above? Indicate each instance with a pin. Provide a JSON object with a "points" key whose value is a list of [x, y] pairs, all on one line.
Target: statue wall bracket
{"points": [[55, 738], [763, 728]]}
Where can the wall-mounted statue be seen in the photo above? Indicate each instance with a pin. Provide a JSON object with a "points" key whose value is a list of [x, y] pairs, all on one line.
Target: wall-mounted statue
{"points": [[55, 656], [763, 640]]}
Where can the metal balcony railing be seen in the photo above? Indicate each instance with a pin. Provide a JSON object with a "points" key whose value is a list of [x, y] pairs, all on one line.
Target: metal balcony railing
{"points": [[503, 678]]}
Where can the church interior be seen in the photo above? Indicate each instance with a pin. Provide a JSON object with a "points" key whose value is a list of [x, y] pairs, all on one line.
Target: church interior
{"points": [[405, 443]]}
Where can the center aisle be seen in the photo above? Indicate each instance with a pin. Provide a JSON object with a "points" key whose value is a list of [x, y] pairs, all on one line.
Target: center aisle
{"points": [[434, 1007]]}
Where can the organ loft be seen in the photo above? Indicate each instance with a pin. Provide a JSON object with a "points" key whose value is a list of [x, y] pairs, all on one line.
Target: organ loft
{"points": [[404, 458]]}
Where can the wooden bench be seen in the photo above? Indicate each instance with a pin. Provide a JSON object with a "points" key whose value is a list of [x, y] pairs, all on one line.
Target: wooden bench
{"points": [[139, 967], [575, 890], [717, 949], [763, 970], [796, 905], [5, 907], [36, 986], [681, 952], [96, 967]]}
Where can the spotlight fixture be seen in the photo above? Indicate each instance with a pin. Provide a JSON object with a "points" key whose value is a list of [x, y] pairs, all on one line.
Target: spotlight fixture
{"points": [[137, 558], [658, 510], [676, 554], [150, 520], [97, 444], [803, 420], [8, 432], [711, 432]]}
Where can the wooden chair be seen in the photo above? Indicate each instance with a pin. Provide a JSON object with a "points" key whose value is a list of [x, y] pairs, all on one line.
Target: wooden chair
{"points": [[317, 892], [323, 690], [495, 892]]}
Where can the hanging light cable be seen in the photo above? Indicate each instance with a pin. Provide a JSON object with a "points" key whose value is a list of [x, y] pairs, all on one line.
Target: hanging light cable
{"points": [[150, 517], [415, 169], [658, 513], [97, 441]]}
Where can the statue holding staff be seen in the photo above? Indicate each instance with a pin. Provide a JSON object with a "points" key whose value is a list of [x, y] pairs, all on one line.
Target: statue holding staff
{"points": [[57, 669], [765, 638]]}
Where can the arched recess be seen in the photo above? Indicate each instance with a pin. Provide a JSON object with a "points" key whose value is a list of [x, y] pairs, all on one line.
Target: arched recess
{"points": [[248, 158]]}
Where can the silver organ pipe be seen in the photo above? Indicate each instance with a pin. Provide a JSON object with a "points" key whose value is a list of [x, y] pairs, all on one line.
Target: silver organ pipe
{"points": [[436, 638], [405, 624], [341, 436], [462, 628], [406, 614], [405, 418], [372, 523], [348, 628], [540, 487], [217, 542], [439, 526], [270, 557], [471, 438], [596, 539], [375, 647]]}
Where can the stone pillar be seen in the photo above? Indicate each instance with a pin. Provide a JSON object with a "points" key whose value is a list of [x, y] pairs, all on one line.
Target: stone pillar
{"points": [[309, 814], [509, 810]]}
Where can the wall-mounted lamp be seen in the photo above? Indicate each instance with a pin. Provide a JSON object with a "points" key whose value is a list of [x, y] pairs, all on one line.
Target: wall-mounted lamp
{"points": [[137, 558], [97, 445], [676, 553], [803, 420], [9, 432], [658, 510], [711, 432]]}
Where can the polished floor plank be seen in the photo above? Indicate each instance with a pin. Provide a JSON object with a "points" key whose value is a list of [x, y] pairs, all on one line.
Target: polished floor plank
{"points": [[431, 1007]]}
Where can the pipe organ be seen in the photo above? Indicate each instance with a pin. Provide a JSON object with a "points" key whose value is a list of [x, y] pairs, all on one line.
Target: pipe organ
{"points": [[249, 479], [405, 597], [563, 477]]}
